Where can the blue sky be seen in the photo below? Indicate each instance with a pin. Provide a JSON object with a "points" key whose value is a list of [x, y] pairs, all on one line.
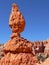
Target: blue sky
{"points": [[36, 14]]}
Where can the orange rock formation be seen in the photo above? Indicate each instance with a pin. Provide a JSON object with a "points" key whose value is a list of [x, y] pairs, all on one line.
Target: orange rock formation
{"points": [[18, 51]]}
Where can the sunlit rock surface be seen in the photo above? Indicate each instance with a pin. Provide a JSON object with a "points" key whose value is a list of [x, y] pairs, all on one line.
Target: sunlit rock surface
{"points": [[18, 51]]}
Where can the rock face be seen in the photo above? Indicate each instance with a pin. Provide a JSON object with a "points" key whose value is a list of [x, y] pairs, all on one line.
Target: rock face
{"points": [[16, 21], [18, 51], [46, 51], [41, 46], [1, 50]]}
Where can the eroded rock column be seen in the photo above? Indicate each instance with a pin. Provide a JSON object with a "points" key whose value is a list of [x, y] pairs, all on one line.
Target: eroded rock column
{"points": [[18, 51]]}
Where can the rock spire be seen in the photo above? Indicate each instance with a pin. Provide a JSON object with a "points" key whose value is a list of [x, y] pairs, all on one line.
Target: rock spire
{"points": [[16, 21], [18, 51]]}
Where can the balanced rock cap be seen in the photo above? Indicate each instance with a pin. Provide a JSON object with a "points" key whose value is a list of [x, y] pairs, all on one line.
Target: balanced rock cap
{"points": [[16, 21]]}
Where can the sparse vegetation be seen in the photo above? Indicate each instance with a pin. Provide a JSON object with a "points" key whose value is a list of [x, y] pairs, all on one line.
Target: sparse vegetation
{"points": [[41, 57]]}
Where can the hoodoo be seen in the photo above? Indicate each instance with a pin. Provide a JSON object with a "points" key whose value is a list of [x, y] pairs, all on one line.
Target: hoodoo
{"points": [[18, 51]]}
